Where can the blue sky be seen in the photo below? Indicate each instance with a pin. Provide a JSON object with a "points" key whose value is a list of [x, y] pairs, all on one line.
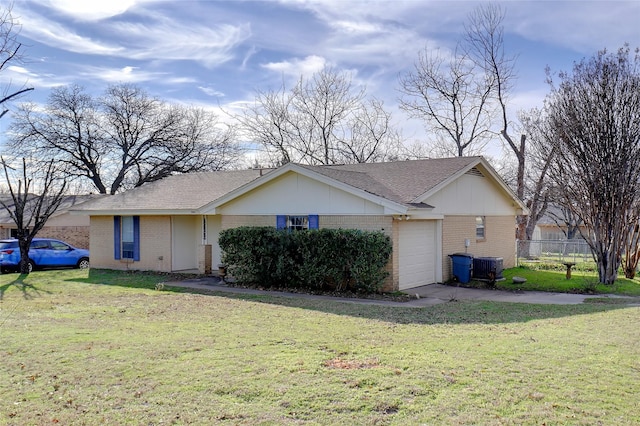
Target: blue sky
{"points": [[210, 53]]}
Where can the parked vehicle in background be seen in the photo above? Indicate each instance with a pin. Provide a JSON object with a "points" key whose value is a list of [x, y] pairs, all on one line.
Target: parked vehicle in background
{"points": [[43, 253]]}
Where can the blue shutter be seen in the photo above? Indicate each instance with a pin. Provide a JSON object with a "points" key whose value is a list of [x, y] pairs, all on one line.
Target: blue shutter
{"points": [[136, 238], [116, 237], [281, 222], [314, 221]]}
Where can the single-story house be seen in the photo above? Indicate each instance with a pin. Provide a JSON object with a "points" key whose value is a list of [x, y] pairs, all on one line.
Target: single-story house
{"points": [[429, 208], [552, 226], [61, 225]]}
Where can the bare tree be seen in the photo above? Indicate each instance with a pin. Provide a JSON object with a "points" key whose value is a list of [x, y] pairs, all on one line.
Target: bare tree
{"points": [[124, 139], [537, 190], [28, 211], [9, 53], [461, 98], [595, 114], [322, 120], [452, 96], [484, 44], [68, 130], [372, 138]]}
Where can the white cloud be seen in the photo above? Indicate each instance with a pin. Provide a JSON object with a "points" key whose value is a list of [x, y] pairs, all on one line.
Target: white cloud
{"points": [[57, 35], [210, 91], [252, 51], [179, 80], [92, 10], [126, 74], [168, 40], [160, 38], [298, 67], [18, 70], [17, 77], [355, 27]]}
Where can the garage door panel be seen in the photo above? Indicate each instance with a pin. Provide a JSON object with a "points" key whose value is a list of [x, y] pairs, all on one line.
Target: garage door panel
{"points": [[417, 253]]}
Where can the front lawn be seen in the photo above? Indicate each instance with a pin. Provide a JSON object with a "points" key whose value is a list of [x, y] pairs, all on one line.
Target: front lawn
{"points": [[100, 347]]}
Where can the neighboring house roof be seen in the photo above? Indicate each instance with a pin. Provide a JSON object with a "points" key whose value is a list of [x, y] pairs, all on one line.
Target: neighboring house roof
{"points": [[67, 203], [549, 218], [400, 185]]}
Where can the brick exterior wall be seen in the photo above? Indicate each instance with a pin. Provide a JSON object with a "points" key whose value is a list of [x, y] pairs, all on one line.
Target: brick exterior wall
{"points": [[237, 221], [500, 239], [77, 236], [365, 223], [155, 244]]}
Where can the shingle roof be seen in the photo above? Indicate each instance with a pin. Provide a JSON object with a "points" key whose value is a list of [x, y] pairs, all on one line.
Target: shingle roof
{"points": [[399, 181], [68, 202], [179, 192]]}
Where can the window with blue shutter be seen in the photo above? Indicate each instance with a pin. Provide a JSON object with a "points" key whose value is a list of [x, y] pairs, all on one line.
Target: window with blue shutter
{"points": [[136, 238], [126, 237], [314, 221], [297, 223], [116, 238]]}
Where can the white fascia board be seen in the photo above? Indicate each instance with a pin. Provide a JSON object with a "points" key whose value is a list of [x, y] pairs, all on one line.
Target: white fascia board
{"points": [[422, 214], [189, 212], [390, 207]]}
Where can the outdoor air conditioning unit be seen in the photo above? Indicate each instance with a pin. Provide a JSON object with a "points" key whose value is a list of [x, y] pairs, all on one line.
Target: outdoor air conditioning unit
{"points": [[487, 268]]}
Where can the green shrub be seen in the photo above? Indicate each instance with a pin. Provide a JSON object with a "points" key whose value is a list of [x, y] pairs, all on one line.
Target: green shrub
{"points": [[326, 259]]}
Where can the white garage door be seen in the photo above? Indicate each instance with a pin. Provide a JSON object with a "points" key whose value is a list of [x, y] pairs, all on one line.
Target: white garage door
{"points": [[417, 252]]}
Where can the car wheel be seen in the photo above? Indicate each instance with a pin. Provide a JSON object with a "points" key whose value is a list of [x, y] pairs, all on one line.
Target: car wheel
{"points": [[83, 263], [32, 266]]}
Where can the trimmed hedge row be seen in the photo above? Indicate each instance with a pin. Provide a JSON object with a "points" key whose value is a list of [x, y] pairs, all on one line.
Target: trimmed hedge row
{"points": [[324, 259]]}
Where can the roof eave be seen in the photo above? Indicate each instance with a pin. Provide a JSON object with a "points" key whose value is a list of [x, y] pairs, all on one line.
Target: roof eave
{"points": [[135, 212]]}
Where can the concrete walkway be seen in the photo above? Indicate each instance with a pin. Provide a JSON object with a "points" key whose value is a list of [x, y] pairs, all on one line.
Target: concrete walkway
{"points": [[446, 293], [427, 295]]}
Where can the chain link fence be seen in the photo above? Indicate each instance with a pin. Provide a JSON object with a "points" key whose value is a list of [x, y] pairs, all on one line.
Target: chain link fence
{"points": [[561, 251]]}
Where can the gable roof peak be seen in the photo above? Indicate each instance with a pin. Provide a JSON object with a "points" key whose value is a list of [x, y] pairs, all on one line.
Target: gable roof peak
{"points": [[399, 181]]}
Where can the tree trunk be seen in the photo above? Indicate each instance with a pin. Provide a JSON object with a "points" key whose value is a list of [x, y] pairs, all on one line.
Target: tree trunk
{"points": [[24, 244], [608, 262], [632, 250]]}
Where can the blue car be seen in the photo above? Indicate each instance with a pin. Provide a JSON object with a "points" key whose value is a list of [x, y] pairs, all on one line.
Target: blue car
{"points": [[43, 253]]}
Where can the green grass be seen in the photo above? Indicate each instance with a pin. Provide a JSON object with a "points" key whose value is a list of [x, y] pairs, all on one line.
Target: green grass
{"points": [[582, 281], [104, 347]]}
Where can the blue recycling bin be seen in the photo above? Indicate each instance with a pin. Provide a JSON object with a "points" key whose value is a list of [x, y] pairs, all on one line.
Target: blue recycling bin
{"points": [[462, 266]]}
